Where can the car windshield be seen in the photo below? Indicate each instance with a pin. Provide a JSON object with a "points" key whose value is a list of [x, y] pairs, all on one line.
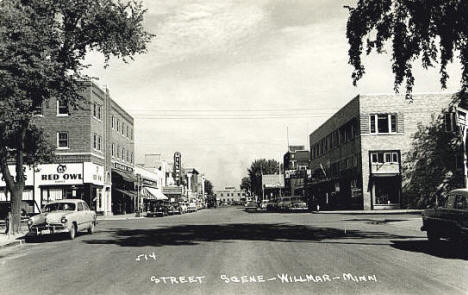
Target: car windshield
{"points": [[59, 207]]}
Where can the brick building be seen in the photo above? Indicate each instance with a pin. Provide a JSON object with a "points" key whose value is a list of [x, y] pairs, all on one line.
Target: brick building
{"points": [[94, 142], [295, 163], [356, 155]]}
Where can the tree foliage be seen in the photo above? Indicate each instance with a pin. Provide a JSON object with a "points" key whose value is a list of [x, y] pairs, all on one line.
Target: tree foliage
{"points": [[430, 30], [245, 184], [43, 44], [259, 168], [433, 165]]}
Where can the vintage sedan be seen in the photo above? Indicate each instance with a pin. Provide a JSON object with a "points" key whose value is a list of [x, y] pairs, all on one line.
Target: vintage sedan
{"points": [[250, 207], [64, 216], [298, 205]]}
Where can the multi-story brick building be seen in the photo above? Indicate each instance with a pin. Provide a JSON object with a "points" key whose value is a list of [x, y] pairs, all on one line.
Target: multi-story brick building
{"points": [[94, 144], [356, 155], [295, 163]]}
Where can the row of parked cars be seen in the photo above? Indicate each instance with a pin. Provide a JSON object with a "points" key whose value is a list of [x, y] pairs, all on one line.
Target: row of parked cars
{"points": [[160, 208], [282, 204]]}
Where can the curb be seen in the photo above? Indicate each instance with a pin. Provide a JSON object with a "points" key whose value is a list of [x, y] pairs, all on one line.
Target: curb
{"points": [[380, 212], [122, 218], [19, 241]]}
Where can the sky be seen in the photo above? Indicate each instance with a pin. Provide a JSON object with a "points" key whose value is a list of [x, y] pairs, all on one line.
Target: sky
{"points": [[226, 82]]}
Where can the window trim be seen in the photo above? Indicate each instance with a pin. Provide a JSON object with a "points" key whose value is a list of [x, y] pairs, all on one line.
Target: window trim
{"points": [[58, 110], [58, 140], [375, 126]]}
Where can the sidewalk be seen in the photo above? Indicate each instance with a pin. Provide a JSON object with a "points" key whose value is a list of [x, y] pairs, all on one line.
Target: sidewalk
{"points": [[394, 211], [7, 241], [129, 216]]}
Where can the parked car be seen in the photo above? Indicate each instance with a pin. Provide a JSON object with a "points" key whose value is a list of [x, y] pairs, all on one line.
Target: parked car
{"points": [[192, 207], [175, 208], [284, 204], [298, 205], [250, 207], [449, 220], [183, 207], [158, 208], [263, 205], [65, 216]]}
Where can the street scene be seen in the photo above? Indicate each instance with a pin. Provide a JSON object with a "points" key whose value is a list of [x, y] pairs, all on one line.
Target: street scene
{"points": [[230, 251], [233, 147]]}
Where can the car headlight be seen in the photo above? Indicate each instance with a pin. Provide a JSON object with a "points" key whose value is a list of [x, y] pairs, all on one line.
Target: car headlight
{"points": [[30, 222], [63, 220]]}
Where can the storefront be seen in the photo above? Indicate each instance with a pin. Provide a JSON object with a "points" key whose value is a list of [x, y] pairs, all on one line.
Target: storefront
{"points": [[29, 204], [74, 180], [124, 194]]}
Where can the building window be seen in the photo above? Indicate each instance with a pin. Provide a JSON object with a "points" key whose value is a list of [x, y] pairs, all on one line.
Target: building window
{"points": [[131, 157], [118, 151], [384, 157], [99, 142], [62, 108], [94, 110], [131, 134], [94, 141], [62, 140], [113, 122], [118, 125], [383, 123], [99, 114], [113, 149]]}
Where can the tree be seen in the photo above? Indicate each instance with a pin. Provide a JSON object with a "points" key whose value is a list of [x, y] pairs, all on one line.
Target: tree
{"points": [[259, 168], [43, 44], [208, 187], [245, 184], [432, 30], [433, 164]]}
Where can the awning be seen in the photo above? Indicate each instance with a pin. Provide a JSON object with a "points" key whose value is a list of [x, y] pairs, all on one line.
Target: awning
{"points": [[130, 194], [128, 177], [153, 194]]}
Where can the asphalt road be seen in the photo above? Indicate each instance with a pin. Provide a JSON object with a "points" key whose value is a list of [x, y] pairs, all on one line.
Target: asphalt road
{"points": [[228, 251]]}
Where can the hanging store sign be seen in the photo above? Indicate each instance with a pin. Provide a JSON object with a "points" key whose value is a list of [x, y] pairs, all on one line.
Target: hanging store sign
{"points": [[123, 167]]}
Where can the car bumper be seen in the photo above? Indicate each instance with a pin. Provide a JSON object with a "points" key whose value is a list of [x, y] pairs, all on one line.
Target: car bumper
{"points": [[298, 209], [43, 229]]}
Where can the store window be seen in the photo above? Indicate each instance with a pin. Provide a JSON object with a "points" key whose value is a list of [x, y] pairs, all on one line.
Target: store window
{"points": [[62, 108], [383, 123], [62, 140]]}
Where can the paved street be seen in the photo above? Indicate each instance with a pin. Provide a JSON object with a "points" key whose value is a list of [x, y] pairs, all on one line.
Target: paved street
{"points": [[228, 251]]}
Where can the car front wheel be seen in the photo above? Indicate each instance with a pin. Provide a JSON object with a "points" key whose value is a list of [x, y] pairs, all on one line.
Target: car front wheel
{"points": [[72, 232], [91, 228]]}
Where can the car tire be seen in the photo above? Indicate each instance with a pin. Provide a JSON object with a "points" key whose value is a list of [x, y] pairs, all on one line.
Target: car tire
{"points": [[91, 228], [72, 232], [432, 236]]}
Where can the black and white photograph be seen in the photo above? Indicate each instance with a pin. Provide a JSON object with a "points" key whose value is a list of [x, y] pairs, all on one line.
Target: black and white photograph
{"points": [[233, 147]]}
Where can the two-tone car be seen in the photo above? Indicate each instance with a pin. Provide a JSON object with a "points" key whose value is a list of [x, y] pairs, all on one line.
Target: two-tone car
{"points": [[63, 216]]}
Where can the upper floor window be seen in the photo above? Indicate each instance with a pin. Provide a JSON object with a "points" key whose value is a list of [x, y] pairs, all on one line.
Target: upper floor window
{"points": [[99, 113], [94, 110], [113, 149], [99, 142], [62, 108], [384, 157], [95, 141], [118, 125], [62, 140], [383, 123], [113, 122], [131, 133]]}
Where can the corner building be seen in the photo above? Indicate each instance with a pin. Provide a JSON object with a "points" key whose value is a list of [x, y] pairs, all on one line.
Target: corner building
{"points": [[356, 154], [93, 142]]}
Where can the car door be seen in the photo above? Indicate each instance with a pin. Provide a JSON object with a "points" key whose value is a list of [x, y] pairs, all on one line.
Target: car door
{"points": [[89, 214]]}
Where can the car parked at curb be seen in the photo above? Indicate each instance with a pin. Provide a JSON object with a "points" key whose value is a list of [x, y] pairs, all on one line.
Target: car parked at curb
{"points": [[298, 205], [449, 220], [192, 207], [68, 216], [250, 207]]}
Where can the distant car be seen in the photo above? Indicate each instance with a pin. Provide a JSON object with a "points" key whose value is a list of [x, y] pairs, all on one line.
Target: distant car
{"points": [[298, 205], [65, 216], [192, 207], [263, 205], [284, 204], [250, 207], [158, 208], [175, 208], [449, 220]]}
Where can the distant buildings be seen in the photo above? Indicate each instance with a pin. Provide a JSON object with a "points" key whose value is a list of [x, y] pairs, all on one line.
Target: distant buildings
{"points": [[229, 195]]}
